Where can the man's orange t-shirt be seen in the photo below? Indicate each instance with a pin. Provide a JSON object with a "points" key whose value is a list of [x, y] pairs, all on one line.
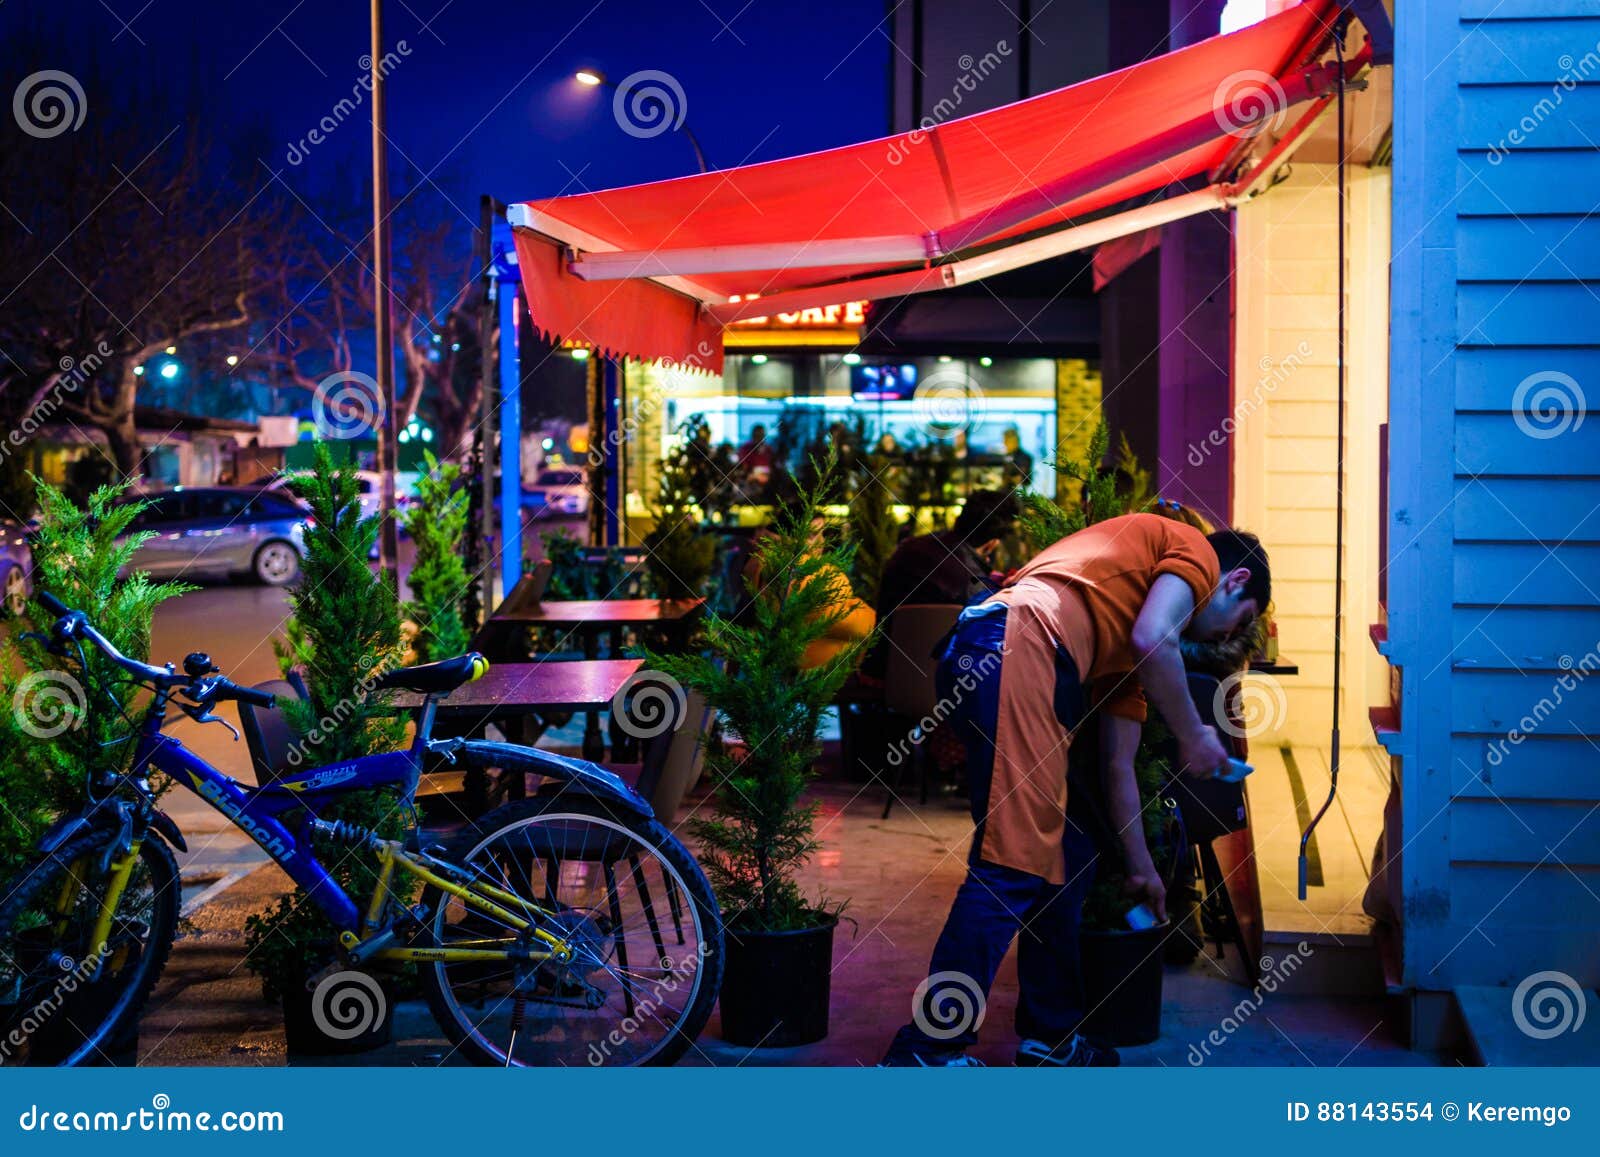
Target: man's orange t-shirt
{"points": [[1111, 567]]}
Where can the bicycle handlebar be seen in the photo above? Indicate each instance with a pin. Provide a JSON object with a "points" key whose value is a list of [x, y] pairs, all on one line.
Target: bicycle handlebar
{"points": [[71, 624]]}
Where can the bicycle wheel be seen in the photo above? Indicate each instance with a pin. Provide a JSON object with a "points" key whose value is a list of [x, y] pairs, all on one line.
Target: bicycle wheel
{"points": [[625, 894], [63, 999]]}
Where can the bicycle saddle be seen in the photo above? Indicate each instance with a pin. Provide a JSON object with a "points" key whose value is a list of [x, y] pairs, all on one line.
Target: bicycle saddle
{"points": [[437, 678]]}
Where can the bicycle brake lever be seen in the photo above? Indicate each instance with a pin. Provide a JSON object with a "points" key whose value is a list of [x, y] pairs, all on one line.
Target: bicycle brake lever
{"points": [[207, 717]]}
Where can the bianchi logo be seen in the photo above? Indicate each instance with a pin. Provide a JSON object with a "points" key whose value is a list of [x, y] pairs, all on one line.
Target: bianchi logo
{"points": [[272, 842]]}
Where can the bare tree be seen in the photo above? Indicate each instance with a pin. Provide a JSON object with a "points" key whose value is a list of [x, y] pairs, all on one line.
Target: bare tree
{"points": [[120, 238], [326, 297]]}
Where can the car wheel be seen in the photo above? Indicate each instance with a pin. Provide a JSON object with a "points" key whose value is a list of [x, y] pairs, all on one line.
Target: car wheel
{"points": [[13, 592], [276, 564]]}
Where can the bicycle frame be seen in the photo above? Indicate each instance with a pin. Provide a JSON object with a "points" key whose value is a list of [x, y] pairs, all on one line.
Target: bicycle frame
{"points": [[266, 814]]}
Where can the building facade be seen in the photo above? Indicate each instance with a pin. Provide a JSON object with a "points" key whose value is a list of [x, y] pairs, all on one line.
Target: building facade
{"points": [[1493, 507]]}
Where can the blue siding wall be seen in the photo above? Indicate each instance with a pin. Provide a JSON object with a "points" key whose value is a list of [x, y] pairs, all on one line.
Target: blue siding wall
{"points": [[1494, 536]]}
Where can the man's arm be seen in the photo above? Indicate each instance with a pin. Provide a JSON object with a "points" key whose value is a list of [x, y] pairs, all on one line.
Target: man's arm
{"points": [[1160, 669], [1119, 740]]}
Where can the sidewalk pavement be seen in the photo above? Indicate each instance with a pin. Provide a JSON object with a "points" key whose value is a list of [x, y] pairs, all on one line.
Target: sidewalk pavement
{"points": [[899, 876]]}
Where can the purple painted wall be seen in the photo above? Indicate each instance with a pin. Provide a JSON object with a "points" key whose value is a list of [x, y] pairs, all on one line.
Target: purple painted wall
{"points": [[1195, 329]]}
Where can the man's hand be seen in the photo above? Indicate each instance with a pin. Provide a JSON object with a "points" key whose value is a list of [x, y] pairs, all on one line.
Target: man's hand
{"points": [[1144, 883], [1201, 753]]}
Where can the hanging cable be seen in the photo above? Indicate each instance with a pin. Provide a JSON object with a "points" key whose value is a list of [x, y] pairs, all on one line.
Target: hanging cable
{"points": [[1338, 475]]}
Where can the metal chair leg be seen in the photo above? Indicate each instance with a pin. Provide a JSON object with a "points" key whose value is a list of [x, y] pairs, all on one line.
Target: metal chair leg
{"points": [[649, 906], [622, 940]]}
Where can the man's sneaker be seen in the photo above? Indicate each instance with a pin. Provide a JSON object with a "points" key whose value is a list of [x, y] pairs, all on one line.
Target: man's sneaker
{"points": [[900, 1057], [1078, 1052]]}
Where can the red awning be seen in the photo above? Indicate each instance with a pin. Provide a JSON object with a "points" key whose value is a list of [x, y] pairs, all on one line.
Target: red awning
{"points": [[652, 271]]}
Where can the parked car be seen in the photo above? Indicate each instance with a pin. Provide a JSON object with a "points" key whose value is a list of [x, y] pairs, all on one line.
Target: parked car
{"points": [[557, 491], [16, 568], [370, 483], [223, 531]]}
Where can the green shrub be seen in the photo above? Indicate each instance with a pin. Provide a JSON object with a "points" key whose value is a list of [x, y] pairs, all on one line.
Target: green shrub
{"points": [[437, 523], [762, 832], [57, 726], [680, 554]]}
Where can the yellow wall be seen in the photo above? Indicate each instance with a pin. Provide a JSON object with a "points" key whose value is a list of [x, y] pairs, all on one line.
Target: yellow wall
{"points": [[1285, 444]]}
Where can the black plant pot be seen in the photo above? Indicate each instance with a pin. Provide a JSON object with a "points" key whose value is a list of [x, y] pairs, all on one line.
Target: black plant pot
{"points": [[1122, 973], [775, 986], [332, 1031]]}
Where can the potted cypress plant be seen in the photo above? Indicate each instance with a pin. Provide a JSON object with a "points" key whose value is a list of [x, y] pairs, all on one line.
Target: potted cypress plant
{"points": [[58, 728], [775, 992], [344, 631]]}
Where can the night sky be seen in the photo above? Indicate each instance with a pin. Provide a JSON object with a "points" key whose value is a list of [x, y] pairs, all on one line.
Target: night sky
{"points": [[484, 99]]}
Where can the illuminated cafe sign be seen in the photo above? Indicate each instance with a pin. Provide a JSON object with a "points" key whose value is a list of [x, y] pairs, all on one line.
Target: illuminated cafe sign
{"points": [[849, 313]]}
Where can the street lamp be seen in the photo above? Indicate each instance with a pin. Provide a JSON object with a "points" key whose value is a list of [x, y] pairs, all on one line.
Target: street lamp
{"points": [[594, 78]]}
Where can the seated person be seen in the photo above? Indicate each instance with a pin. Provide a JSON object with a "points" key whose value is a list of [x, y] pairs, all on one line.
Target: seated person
{"points": [[950, 567], [848, 628]]}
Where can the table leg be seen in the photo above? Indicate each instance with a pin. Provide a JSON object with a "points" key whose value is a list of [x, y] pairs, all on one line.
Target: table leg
{"points": [[624, 747], [594, 743]]}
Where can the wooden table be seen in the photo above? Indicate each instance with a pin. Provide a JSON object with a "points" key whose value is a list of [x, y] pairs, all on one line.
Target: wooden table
{"points": [[589, 619], [510, 691], [591, 615]]}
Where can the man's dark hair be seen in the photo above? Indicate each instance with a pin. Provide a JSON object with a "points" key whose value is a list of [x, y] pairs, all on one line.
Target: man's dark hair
{"points": [[1240, 548], [987, 515]]}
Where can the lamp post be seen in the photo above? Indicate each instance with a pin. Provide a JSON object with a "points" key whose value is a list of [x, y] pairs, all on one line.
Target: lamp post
{"points": [[594, 78], [389, 539]]}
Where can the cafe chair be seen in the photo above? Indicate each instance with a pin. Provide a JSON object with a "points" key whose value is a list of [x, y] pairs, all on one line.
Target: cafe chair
{"points": [[267, 734], [679, 764], [910, 692], [672, 765]]}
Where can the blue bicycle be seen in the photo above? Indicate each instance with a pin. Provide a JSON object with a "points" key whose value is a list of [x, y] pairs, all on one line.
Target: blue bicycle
{"points": [[567, 928]]}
